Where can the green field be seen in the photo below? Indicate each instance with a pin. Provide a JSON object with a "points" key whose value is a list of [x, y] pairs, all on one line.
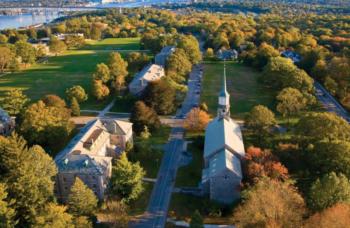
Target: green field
{"points": [[114, 44], [74, 67], [242, 85]]}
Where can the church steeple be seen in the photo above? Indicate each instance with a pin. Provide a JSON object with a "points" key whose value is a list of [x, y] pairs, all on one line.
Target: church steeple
{"points": [[224, 98]]}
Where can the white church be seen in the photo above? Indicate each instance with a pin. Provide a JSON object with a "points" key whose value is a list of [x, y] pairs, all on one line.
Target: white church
{"points": [[223, 151]]}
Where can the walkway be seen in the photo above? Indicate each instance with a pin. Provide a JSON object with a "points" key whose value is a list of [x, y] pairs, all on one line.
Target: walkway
{"points": [[329, 102], [156, 214]]}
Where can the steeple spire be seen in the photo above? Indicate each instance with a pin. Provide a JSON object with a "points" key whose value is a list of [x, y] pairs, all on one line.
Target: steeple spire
{"points": [[224, 98]]}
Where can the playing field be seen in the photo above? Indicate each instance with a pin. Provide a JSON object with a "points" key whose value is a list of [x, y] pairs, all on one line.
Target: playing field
{"points": [[74, 67], [242, 85]]}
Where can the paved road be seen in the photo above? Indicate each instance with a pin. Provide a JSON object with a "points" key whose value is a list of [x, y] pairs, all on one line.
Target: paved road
{"points": [[329, 102], [156, 214]]}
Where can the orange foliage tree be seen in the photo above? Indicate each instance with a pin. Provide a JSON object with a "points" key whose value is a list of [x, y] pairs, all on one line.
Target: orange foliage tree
{"points": [[260, 163], [337, 216], [196, 120]]}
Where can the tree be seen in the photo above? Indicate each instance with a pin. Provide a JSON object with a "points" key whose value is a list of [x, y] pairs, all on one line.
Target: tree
{"points": [[325, 125], [6, 57], [142, 115], [78, 92], [209, 53], [53, 216], [137, 60], [115, 213], [74, 105], [99, 90], [262, 163], [126, 179], [196, 220], [82, 222], [102, 73], [56, 46], [265, 52], [178, 64], [290, 102], [7, 213], [196, 120], [331, 85], [28, 173], [14, 101], [260, 119], [160, 96], [26, 51], [118, 70], [337, 216], [44, 124], [73, 41], [328, 191], [190, 45], [54, 101], [270, 203], [81, 200]]}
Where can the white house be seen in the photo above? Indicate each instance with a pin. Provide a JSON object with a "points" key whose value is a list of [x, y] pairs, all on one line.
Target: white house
{"points": [[148, 74], [89, 156], [223, 150]]}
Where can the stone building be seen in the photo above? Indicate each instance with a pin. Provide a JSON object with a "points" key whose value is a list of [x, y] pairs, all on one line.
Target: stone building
{"points": [[223, 150], [89, 156], [163, 55], [152, 72]]}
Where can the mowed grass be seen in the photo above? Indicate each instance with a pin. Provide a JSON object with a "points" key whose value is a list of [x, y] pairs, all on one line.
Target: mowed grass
{"points": [[114, 44], [242, 85], [74, 67]]}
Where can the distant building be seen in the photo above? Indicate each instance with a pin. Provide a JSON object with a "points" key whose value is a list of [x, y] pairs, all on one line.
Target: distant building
{"points": [[89, 156], [223, 150], [295, 57], [230, 54], [148, 74], [7, 124], [60, 36], [163, 55]]}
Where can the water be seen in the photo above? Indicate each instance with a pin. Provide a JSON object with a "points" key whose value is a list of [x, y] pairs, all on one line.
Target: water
{"points": [[24, 20]]}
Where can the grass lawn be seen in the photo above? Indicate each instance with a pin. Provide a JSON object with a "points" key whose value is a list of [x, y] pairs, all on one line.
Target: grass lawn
{"points": [[114, 44], [74, 67], [242, 85]]}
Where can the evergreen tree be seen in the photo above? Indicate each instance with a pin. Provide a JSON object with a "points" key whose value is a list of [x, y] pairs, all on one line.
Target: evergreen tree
{"points": [[81, 200], [53, 216], [7, 213], [74, 105], [14, 101], [126, 179], [196, 220]]}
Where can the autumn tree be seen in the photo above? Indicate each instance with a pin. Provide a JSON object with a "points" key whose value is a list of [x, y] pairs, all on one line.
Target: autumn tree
{"points": [[270, 203], [178, 65], [56, 46], [328, 191], [209, 53], [196, 120], [337, 216], [78, 92], [290, 102], [260, 119], [74, 41], [137, 60], [53, 216], [44, 124], [264, 53], [262, 163], [190, 45], [118, 70], [142, 115], [102, 73], [160, 96], [74, 106], [54, 101], [6, 58], [81, 199], [99, 90], [7, 213], [26, 52], [126, 179], [115, 213], [14, 101], [325, 125]]}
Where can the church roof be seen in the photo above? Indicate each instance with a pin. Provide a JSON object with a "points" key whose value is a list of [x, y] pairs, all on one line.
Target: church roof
{"points": [[224, 160], [223, 133]]}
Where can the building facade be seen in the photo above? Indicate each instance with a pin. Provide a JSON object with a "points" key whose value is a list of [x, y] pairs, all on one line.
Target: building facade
{"points": [[7, 124], [162, 57], [152, 72], [223, 151], [89, 156]]}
